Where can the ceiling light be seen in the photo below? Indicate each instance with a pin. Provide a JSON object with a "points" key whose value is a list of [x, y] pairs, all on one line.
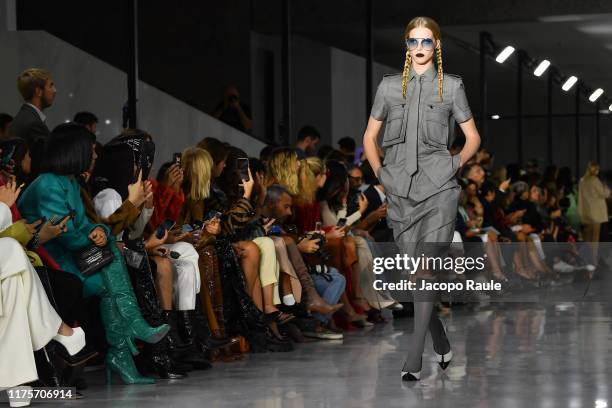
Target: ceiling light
{"points": [[569, 83], [495, 117], [596, 94], [541, 68], [107, 121], [505, 54]]}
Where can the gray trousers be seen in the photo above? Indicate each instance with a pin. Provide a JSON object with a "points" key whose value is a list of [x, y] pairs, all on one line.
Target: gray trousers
{"points": [[424, 228]]}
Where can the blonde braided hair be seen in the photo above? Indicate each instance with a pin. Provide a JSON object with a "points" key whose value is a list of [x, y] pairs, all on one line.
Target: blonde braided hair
{"points": [[440, 71], [430, 23], [406, 73]]}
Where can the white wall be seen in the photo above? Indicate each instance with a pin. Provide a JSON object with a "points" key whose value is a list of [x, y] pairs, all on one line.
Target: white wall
{"points": [[86, 83], [349, 112]]}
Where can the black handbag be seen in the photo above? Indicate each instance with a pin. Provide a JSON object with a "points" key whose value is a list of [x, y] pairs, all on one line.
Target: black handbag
{"points": [[93, 258]]}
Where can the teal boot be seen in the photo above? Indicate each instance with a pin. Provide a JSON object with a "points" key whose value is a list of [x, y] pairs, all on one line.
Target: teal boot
{"points": [[118, 357], [118, 285]]}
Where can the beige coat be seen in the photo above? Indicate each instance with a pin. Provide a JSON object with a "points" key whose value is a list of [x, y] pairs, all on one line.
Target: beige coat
{"points": [[592, 195], [27, 319]]}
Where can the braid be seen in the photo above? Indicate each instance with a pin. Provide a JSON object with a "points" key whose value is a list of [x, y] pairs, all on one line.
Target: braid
{"points": [[406, 73], [440, 71]]}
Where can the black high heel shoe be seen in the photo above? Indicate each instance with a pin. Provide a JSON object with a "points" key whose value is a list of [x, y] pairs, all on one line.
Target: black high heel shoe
{"points": [[444, 360], [408, 376]]}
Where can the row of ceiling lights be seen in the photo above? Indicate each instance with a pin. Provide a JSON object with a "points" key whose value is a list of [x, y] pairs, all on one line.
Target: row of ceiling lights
{"points": [[542, 67]]}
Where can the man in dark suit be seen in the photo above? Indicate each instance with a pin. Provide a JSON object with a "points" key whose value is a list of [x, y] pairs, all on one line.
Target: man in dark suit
{"points": [[38, 91]]}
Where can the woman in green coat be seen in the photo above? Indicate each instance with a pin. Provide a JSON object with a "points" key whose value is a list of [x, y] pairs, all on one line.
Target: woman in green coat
{"points": [[69, 153]]}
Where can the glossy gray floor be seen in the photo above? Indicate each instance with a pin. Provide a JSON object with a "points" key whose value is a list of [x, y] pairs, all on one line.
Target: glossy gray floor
{"points": [[512, 355]]}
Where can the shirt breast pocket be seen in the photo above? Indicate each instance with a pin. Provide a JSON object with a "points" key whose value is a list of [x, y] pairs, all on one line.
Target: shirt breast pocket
{"points": [[394, 125], [437, 117]]}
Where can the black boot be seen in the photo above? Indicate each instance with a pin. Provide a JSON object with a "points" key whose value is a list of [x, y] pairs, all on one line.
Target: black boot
{"points": [[203, 336], [183, 349], [161, 364], [175, 343]]}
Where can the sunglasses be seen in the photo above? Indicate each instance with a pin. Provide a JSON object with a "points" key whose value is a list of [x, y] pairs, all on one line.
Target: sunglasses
{"points": [[426, 43]]}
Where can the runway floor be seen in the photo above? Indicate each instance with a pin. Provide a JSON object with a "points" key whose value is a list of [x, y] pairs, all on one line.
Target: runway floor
{"points": [[506, 355]]}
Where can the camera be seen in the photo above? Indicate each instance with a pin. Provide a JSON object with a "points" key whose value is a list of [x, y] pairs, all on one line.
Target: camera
{"points": [[321, 252]]}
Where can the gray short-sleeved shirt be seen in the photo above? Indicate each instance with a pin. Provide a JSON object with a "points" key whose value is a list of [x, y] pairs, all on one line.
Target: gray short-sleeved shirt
{"points": [[421, 126]]}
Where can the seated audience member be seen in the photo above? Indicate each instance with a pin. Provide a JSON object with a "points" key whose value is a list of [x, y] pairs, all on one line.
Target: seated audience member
{"points": [[326, 281], [68, 154], [124, 202], [16, 163], [341, 248], [235, 308], [28, 321], [334, 210], [283, 169]]}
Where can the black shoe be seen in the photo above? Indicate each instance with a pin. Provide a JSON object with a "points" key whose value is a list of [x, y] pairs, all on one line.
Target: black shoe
{"points": [[292, 331], [166, 369], [276, 344], [48, 374], [406, 376], [187, 329], [444, 359], [81, 358], [175, 343], [411, 377]]}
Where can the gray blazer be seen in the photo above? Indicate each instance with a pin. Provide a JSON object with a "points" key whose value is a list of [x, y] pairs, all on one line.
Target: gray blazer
{"points": [[418, 132]]}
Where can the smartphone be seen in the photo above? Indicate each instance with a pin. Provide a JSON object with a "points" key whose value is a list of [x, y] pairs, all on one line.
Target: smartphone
{"points": [[42, 220], [70, 215], [318, 226], [275, 230], [243, 168], [341, 222], [176, 158], [160, 232], [169, 224], [212, 214]]}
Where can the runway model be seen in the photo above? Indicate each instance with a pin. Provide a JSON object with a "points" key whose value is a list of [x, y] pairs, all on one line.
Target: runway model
{"points": [[420, 107]]}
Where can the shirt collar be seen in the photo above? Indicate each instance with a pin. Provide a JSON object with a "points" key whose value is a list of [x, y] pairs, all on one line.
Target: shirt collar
{"points": [[429, 75], [40, 113]]}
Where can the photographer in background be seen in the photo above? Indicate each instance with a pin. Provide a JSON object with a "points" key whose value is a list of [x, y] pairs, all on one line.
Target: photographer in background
{"points": [[232, 111]]}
